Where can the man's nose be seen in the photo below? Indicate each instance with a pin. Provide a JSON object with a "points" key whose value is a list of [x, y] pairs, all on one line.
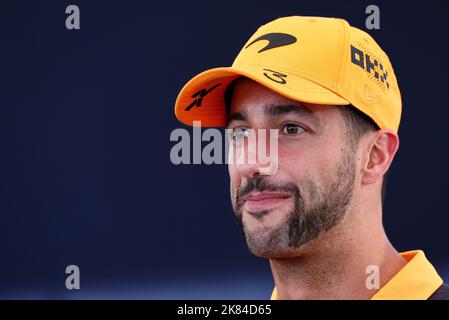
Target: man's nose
{"points": [[248, 169], [250, 159]]}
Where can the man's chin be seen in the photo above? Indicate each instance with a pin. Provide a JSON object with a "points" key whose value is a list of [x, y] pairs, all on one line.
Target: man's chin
{"points": [[264, 221], [269, 245], [275, 254], [274, 243]]}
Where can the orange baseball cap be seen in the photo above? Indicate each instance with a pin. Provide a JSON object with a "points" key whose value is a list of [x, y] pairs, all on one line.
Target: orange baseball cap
{"points": [[308, 59]]}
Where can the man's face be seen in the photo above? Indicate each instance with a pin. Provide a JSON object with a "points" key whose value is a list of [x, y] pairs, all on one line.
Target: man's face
{"points": [[312, 188]]}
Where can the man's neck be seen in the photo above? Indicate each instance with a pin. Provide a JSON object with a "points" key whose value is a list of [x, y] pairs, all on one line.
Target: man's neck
{"points": [[327, 271]]}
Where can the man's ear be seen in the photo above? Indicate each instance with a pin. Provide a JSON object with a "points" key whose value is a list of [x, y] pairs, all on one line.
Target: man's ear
{"points": [[381, 149]]}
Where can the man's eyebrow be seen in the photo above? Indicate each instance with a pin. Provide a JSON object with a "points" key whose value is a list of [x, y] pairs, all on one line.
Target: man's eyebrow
{"points": [[235, 116], [275, 110]]}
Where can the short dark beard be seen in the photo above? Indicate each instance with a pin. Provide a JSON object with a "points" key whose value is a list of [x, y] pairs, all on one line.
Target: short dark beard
{"points": [[324, 208]]}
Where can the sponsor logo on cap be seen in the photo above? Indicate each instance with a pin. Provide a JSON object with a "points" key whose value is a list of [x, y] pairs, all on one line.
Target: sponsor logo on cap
{"points": [[371, 66], [199, 97], [275, 39], [275, 76]]}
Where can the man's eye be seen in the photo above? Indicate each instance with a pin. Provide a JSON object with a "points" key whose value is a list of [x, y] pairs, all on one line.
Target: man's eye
{"points": [[239, 134], [292, 129]]}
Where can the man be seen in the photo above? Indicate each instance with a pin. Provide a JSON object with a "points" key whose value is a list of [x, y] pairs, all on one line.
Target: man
{"points": [[330, 92]]}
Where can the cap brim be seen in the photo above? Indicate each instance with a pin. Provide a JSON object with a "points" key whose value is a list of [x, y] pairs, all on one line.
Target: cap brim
{"points": [[202, 98]]}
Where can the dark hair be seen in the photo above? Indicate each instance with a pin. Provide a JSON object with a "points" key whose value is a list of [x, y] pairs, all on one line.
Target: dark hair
{"points": [[228, 95], [357, 123]]}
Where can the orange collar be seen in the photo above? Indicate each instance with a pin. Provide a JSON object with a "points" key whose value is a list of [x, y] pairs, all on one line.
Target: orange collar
{"points": [[417, 280]]}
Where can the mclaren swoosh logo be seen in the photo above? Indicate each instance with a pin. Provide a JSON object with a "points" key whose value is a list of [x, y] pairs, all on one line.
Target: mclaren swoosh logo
{"points": [[275, 40]]}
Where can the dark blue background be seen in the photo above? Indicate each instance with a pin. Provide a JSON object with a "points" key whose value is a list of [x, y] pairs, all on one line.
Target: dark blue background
{"points": [[85, 120]]}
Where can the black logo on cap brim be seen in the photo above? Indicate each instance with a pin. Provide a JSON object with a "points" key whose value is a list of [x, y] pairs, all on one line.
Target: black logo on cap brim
{"points": [[199, 95]]}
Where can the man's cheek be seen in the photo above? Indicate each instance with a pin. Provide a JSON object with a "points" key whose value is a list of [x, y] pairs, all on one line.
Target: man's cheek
{"points": [[233, 197], [233, 188], [234, 178], [232, 172]]}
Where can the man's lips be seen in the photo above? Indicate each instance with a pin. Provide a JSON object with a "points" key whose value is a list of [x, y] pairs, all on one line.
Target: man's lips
{"points": [[257, 201]]}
